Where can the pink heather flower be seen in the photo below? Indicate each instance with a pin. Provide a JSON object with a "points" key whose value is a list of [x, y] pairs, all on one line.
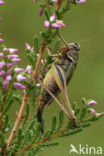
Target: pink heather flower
{"points": [[0, 34], [18, 70], [5, 50], [41, 12], [27, 46], [5, 83], [55, 1], [2, 64], [52, 18], [8, 72], [80, 1], [0, 18], [28, 69], [92, 111], [8, 78], [47, 24], [91, 103], [19, 85], [44, 71], [1, 40], [16, 60], [10, 65], [43, 61], [1, 55], [54, 23], [12, 51], [34, 1], [38, 85], [21, 78], [98, 114], [40, 77], [1, 73], [12, 56], [1, 2], [7, 129], [58, 24]]}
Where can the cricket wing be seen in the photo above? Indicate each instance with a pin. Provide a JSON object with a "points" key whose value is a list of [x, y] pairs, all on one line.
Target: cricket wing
{"points": [[59, 76]]}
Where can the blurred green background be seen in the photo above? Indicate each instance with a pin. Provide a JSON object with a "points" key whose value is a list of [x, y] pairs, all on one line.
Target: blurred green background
{"points": [[21, 22]]}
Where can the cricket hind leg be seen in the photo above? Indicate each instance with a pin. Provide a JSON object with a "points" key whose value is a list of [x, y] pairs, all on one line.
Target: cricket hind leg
{"points": [[39, 116]]}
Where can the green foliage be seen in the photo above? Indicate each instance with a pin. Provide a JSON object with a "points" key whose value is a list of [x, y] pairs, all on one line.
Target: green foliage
{"points": [[57, 46]]}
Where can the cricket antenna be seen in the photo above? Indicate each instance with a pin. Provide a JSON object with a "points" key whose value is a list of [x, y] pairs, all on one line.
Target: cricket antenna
{"points": [[86, 56], [91, 38]]}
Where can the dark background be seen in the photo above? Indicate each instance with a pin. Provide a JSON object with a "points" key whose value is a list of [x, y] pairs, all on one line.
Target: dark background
{"points": [[21, 22]]}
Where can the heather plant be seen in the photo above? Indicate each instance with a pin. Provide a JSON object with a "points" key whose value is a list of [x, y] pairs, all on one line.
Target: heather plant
{"points": [[23, 86]]}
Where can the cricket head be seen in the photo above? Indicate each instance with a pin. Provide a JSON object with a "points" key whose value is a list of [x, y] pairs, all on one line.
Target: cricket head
{"points": [[72, 52]]}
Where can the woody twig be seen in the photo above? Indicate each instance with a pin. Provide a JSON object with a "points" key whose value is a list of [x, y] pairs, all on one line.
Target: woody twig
{"points": [[25, 99]]}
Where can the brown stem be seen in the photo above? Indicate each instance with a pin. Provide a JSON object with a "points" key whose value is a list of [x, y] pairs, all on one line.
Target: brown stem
{"points": [[38, 63], [18, 120], [25, 99]]}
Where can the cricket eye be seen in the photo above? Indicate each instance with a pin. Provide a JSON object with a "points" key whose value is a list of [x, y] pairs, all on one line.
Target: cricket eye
{"points": [[76, 46]]}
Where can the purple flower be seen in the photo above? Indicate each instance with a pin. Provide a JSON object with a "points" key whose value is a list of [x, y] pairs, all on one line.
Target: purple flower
{"points": [[16, 60], [41, 12], [27, 46], [10, 65], [1, 2], [19, 85], [12, 56], [5, 50], [21, 78], [47, 24], [18, 70], [91, 103], [80, 1], [1, 40], [28, 69], [12, 50], [2, 64], [1, 55]]}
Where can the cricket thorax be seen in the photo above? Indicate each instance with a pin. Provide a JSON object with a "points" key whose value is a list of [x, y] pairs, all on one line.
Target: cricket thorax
{"points": [[69, 55]]}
